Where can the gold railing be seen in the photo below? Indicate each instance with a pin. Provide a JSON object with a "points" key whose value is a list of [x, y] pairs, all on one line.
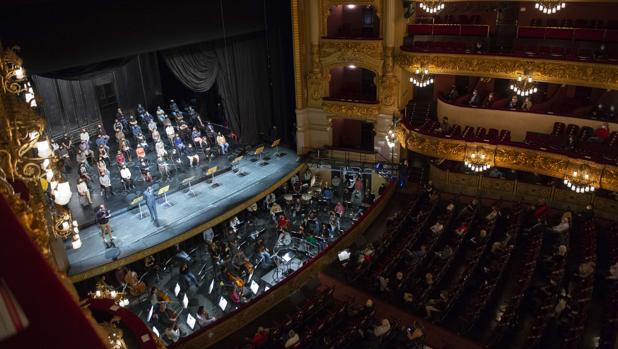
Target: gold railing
{"points": [[512, 157], [351, 110], [514, 190], [244, 316], [591, 74]]}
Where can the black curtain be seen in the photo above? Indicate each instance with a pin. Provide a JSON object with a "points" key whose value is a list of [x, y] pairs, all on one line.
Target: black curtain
{"points": [[195, 66]]}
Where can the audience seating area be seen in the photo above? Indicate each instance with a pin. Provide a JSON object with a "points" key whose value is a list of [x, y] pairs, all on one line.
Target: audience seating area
{"points": [[323, 322], [499, 273]]}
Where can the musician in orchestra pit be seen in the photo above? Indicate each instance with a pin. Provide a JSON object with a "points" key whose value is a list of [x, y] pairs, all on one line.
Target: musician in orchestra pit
{"points": [[284, 238], [203, 317], [188, 275], [239, 259], [275, 209], [263, 252], [339, 209]]}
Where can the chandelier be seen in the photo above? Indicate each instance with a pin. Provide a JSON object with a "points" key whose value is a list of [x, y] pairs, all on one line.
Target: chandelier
{"points": [[103, 290], [580, 181], [432, 6], [421, 77], [524, 85], [549, 6], [477, 160]]}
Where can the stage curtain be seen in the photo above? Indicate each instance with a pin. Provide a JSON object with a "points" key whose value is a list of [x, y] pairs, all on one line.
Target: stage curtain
{"points": [[195, 66]]}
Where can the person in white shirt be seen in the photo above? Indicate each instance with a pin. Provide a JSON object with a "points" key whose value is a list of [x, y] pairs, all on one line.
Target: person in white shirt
{"points": [[84, 136], [203, 318], [382, 329], [125, 173], [173, 333], [82, 189], [106, 183], [170, 132], [493, 214], [293, 339], [563, 226], [222, 143]]}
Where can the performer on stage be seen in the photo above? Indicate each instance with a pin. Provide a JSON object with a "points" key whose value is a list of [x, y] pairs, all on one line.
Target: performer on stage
{"points": [[151, 203], [103, 216], [222, 143]]}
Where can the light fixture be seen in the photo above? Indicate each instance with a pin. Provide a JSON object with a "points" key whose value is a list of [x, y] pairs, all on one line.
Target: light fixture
{"points": [[432, 6], [352, 66], [478, 160], [103, 290], [549, 6], [62, 193], [580, 180], [77, 242], [523, 85], [421, 77], [350, 6]]}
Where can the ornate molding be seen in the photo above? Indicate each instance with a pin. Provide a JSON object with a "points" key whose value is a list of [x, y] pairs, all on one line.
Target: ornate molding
{"points": [[348, 110], [327, 4], [366, 54], [563, 72], [296, 41], [530, 160]]}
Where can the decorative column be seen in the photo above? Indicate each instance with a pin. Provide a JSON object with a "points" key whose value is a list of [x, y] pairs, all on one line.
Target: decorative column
{"points": [[315, 78], [390, 82]]}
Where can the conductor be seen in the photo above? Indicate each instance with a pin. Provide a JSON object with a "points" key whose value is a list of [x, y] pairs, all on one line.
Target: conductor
{"points": [[151, 202]]}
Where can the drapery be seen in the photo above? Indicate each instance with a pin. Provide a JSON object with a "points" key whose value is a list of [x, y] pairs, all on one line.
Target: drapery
{"points": [[195, 66]]}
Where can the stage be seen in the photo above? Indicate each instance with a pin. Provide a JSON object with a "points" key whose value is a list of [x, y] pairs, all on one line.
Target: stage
{"points": [[188, 216]]}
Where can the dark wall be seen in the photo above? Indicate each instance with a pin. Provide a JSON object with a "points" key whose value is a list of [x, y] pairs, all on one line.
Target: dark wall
{"points": [[60, 34]]}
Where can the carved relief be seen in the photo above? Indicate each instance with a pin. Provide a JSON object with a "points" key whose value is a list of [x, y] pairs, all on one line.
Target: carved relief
{"points": [[363, 53], [567, 72], [515, 158], [389, 88], [358, 111]]}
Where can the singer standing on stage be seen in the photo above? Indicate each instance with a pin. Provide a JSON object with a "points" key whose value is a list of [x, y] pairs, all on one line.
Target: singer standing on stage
{"points": [[103, 216], [151, 202]]}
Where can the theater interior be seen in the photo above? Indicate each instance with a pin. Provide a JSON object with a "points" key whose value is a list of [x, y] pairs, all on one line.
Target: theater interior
{"points": [[309, 174]]}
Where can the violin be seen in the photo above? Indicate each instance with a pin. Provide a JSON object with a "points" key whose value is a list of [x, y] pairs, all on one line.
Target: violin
{"points": [[236, 280], [163, 296], [248, 266]]}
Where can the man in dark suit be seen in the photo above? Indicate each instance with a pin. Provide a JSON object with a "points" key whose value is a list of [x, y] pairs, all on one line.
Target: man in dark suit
{"points": [[151, 202]]}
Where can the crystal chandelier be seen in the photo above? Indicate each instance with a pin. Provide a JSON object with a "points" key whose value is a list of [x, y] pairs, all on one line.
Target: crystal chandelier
{"points": [[549, 6], [580, 181], [432, 6], [421, 77], [524, 85], [477, 160]]}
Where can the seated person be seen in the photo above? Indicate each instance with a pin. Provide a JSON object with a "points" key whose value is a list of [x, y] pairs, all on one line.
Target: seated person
{"points": [[275, 209], [599, 112], [125, 174], [513, 103], [172, 333], [600, 53], [293, 339], [527, 104], [495, 213], [223, 145], [475, 99], [382, 329], [180, 146], [140, 152], [435, 305], [480, 238], [260, 337], [452, 94], [203, 317], [563, 226], [489, 101], [445, 127], [188, 275], [120, 159], [193, 156], [462, 229], [160, 149], [437, 228]]}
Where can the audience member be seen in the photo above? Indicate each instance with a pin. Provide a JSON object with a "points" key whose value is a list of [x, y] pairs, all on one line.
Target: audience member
{"points": [[475, 99], [527, 104]]}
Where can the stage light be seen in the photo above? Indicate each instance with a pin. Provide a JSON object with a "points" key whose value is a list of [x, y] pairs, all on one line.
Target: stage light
{"points": [[350, 6], [352, 66]]}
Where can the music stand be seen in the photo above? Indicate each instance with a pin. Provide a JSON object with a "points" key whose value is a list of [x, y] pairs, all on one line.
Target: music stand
{"points": [[138, 201], [187, 181], [235, 164], [164, 190], [276, 146], [211, 172], [258, 151]]}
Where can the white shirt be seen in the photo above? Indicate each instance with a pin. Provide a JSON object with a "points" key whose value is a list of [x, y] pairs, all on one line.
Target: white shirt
{"points": [[170, 131], [84, 136], [221, 140], [125, 173], [292, 340], [561, 228], [173, 335], [105, 180], [202, 321], [437, 228], [82, 188]]}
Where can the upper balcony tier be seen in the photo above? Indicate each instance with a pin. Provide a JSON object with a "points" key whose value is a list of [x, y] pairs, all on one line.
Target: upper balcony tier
{"points": [[562, 43]]}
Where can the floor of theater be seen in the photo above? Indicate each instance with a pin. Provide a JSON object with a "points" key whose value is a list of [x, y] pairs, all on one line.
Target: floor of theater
{"points": [[202, 266], [134, 234]]}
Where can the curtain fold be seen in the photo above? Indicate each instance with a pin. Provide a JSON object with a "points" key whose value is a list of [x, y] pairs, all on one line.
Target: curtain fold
{"points": [[195, 66]]}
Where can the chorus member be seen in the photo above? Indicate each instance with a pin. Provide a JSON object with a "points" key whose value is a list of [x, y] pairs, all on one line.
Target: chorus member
{"points": [[160, 114], [145, 170], [223, 145], [171, 133], [125, 147], [193, 156], [101, 166], [120, 159], [103, 215], [106, 183], [83, 190], [125, 174], [196, 136], [178, 143], [84, 136], [151, 202]]}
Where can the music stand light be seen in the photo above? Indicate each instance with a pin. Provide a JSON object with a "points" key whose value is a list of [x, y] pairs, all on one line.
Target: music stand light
{"points": [[190, 321], [212, 285], [222, 303], [176, 290], [211, 172], [254, 287], [187, 181], [154, 329], [150, 313], [164, 190], [138, 201], [185, 301]]}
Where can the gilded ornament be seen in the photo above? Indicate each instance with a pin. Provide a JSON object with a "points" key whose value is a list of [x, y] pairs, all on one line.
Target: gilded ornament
{"points": [[359, 111]]}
